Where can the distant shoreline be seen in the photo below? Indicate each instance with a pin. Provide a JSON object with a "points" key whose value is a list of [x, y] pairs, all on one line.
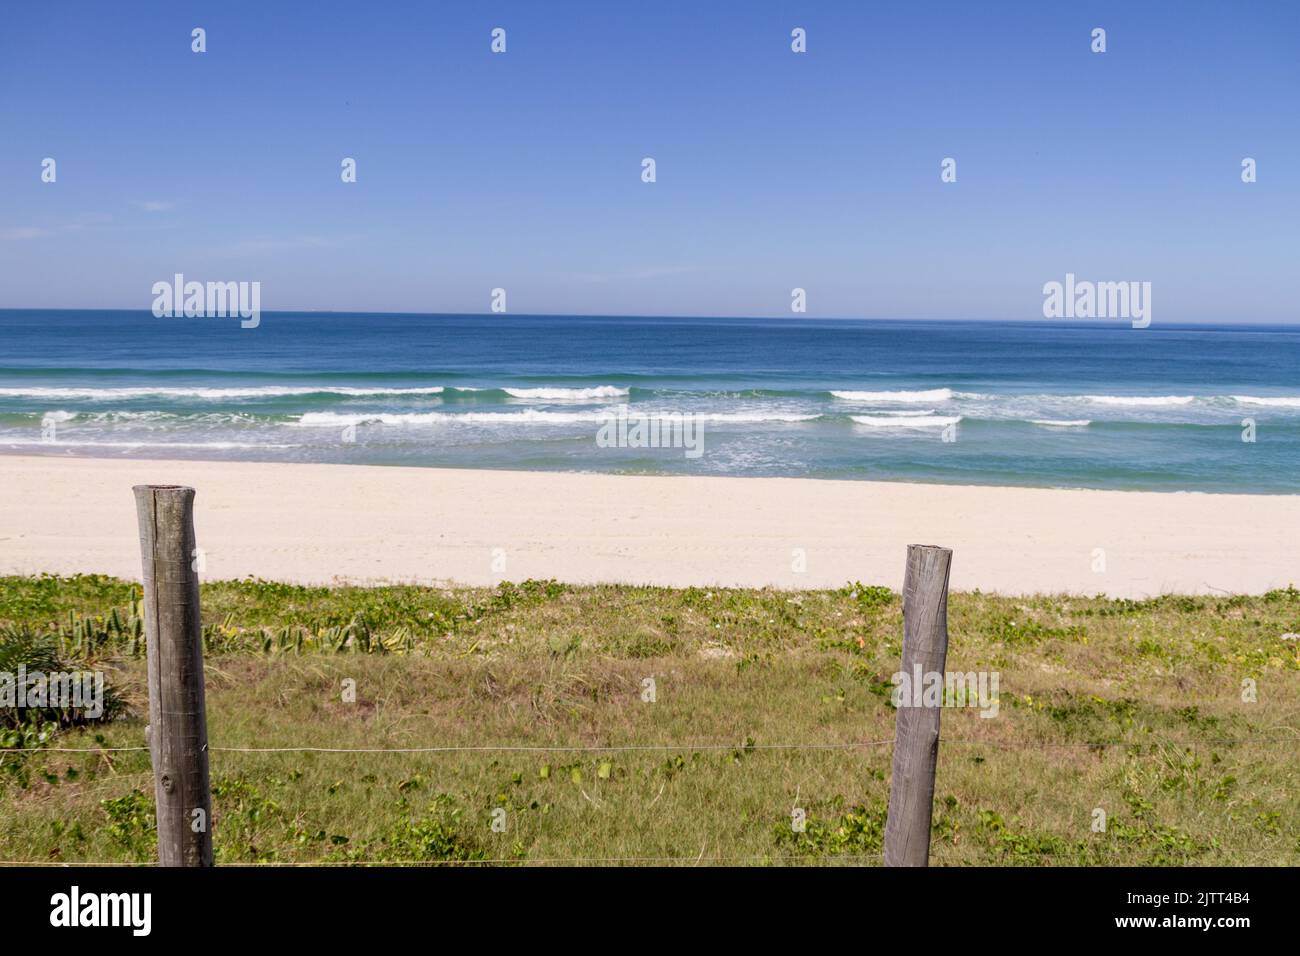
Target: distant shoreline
{"points": [[320, 524], [70, 454]]}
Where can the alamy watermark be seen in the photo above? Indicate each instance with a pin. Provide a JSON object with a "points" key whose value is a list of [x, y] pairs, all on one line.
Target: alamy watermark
{"points": [[1098, 300], [950, 689], [75, 908], [624, 428], [60, 690], [213, 300]]}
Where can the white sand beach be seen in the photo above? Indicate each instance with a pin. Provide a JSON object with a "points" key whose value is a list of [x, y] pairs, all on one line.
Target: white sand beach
{"points": [[314, 523]]}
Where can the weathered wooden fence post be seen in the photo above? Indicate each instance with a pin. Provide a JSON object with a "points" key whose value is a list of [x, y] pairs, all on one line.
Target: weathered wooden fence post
{"points": [[916, 729], [178, 723]]}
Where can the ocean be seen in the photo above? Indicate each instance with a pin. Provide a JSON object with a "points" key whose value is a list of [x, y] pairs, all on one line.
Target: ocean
{"points": [[1065, 404]]}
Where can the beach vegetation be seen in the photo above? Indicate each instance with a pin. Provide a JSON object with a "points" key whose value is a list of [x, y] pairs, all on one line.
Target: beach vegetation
{"points": [[534, 697]]}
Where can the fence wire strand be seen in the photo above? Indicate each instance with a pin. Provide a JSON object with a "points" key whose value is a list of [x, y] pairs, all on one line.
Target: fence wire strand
{"points": [[663, 748]]}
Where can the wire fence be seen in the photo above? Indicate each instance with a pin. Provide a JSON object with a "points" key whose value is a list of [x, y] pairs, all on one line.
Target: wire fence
{"points": [[702, 859], [677, 747], [165, 516]]}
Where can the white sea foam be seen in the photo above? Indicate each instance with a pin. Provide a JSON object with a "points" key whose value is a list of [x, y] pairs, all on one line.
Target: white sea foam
{"points": [[748, 417], [906, 421], [115, 416], [532, 416], [215, 394], [1281, 401], [922, 395], [1140, 399], [1061, 422], [73, 443], [568, 394]]}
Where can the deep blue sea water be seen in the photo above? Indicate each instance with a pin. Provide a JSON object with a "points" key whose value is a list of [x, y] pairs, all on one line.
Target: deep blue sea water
{"points": [[1099, 405]]}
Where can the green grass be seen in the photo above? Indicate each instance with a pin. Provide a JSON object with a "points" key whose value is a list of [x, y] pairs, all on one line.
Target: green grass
{"points": [[1134, 708]]}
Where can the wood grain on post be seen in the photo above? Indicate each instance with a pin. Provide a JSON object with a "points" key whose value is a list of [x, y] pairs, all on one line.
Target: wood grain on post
{"points": [[178, 724], [916, 729]]}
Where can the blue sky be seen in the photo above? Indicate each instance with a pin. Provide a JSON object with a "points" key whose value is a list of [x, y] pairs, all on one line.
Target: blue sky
{"points": [[775, 169]]}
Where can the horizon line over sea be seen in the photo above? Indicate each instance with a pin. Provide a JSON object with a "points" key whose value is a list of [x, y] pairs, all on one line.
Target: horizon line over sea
{"points": [[1043, 403], [1062, 323]]}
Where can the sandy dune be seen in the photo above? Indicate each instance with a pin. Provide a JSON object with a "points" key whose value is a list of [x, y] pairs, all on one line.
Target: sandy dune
{"points": [[323, 523]]}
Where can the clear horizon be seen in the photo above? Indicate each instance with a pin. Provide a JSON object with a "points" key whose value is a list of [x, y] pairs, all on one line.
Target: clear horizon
{"points": [[775, 170], [1121, 324]]}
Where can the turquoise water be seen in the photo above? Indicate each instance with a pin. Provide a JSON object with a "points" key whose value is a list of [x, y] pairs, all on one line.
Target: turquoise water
{"points": [[1069, 404]]}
